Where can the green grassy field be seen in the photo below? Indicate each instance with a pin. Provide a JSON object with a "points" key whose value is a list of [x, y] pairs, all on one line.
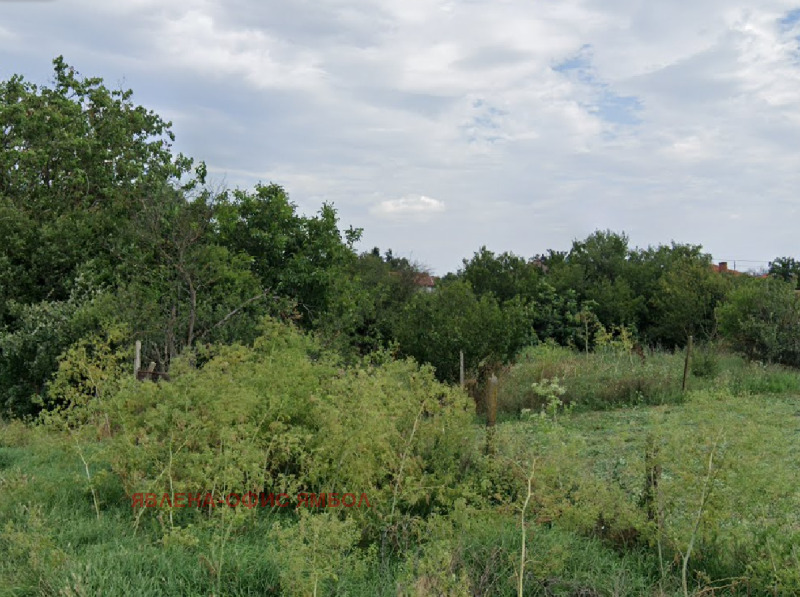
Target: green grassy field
{"points": [[725, 507]]}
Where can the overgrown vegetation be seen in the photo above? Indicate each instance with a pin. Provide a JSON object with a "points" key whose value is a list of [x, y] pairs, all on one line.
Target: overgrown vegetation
{"points": [[443, 516], [298, 367], [599, 380], [615, 377]]}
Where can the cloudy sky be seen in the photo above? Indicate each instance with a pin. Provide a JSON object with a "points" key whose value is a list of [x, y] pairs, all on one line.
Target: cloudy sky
{"points": [[442, 125]]}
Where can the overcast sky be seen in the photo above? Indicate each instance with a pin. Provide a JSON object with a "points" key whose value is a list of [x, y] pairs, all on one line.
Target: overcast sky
{"points": [[441, 126]]}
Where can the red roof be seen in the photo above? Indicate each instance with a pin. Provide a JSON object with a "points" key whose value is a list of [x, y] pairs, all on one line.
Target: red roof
{"points": [[723, 268]]}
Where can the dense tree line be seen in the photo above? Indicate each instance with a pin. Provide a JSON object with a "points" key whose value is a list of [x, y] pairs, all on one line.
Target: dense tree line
{"points": [[109, 234]]}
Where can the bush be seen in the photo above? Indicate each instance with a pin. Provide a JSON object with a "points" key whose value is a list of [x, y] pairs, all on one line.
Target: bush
{"points": [[284, 417], [705, 362]]}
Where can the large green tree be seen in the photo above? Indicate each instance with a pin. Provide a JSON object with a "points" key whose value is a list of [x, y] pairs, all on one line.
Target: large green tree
{"points": [[106, 227], [505, 276], [185, 286], [292, 255], [368, 300], [598, 270], [685, 301], [680, 291], [77, 161]]}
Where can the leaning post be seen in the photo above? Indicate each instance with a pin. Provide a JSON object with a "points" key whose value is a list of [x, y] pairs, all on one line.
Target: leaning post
{"points": [[686, 363]]}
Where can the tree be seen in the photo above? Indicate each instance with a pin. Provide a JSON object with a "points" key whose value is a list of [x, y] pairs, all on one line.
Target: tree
{"points": [[77, 162], [602, 255], [648, 267], [435, 326], [292, 255], [786, 269], [367, 301], [598, 270], [685, 302], [556, 315], [762, 320], [505, 276], [184, 284], [76, 157]]}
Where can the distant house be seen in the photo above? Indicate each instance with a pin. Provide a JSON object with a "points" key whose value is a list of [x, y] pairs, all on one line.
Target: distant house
{"points": [[722, 268], [425, 282]]}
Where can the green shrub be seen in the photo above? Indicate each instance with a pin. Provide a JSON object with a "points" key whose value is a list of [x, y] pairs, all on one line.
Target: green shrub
{"points": [[705, 362], [434, 327], [284, 417], [314, 552]]}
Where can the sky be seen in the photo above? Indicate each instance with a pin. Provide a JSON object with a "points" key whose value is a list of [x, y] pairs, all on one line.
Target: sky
{"points": [[440, 126]]}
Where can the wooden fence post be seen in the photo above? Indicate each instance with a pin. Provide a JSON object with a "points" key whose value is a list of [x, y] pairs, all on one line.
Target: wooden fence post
{"points": [[461, 368], [491, 402], [686, 364], [491, 413], [586, 332], [137, 359]]}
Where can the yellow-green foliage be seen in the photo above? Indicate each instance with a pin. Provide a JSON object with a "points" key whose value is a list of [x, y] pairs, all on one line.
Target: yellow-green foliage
{"points": [[434, 570], [727, 494], [315, 551], [283, 418], [90, 369]]}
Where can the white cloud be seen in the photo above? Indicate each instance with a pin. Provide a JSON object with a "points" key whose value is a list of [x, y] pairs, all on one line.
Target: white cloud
{"points": [[196, 40], [415, 206]]}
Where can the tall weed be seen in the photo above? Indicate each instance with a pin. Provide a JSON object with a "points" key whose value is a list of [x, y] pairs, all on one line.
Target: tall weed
{"points": [[597, 380]]}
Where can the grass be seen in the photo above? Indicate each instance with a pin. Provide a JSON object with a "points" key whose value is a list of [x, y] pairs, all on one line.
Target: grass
{"points": [[588, 534], [603, 380], [751, 527], [51, 543]]}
